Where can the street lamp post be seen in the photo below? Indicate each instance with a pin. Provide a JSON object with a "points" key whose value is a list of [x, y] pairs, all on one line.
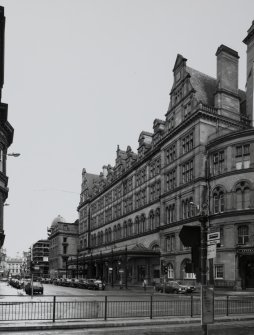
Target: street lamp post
{"points": [[77, 265], [203, 219], [126, 268], [112, 279]]}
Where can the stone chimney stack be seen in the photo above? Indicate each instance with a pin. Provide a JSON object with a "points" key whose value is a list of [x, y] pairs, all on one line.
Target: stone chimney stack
{"points": [[105, 171], [226, 97], [249, 41]]}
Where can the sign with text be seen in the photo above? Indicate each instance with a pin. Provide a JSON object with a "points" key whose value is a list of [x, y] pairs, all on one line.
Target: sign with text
{"points": [[211, 251], [207, 304], [213, 236]]}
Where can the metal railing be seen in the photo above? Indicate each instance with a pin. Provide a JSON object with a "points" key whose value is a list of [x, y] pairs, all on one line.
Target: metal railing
{"points": [[56, 308]]}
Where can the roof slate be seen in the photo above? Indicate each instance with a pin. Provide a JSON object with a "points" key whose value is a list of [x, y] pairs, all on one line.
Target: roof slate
{"points": [[204, 85]]}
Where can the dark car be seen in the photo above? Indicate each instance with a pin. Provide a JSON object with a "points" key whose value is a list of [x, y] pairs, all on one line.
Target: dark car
{"points": [[174, 287], [74, 282], [37, 288], [95, 284], [16, 283], [82, 283]]}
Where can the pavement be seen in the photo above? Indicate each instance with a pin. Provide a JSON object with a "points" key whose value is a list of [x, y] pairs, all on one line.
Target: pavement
{"points": [[113, 323]]}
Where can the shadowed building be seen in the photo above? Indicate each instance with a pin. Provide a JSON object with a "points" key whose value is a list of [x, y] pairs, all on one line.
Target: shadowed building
{"points": [[6, 131]]}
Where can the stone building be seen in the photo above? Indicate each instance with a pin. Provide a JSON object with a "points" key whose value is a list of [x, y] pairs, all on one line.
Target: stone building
{"points": [[202, 154], [14, 266], [3, 263], [6, 131], [63, 242], [40, 257]]}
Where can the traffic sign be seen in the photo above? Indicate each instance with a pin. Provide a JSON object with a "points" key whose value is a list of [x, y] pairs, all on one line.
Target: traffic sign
{"points": [[211, 251], [213, 236]]}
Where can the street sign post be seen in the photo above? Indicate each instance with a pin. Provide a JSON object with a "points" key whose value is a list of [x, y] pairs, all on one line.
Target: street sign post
{"points": [[207, 304]]}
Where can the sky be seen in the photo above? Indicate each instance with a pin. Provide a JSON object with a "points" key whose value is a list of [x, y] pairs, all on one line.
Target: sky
{"points": [[83, 76]]}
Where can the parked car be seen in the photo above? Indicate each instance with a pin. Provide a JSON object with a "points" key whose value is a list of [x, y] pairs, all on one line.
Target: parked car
{"points": [[174, 287], [82, 283], [16, 283], [55, 281], [66, 282], [95, 284], [45, 280], [74, 282], [101, 285], [37, 288]]}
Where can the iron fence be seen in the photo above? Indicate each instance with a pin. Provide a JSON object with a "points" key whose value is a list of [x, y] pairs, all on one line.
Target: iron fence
{"points": [[54, 308]]}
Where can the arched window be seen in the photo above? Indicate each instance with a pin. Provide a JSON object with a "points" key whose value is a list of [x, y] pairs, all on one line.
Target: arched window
{"points": [[142, 224], [238, 199], [242, 196], [106, 235], [151, 220], [102, 239], [109, 235], [246, 198], [119, 231], [125, 229], [114, 233], [129, 228], [137, 225], [157, 218], [218, 200], [243, 234]]}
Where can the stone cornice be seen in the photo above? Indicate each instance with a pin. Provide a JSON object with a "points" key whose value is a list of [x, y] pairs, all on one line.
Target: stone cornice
{"points": [[233, 212], [231, 173], [232, 94], [230, 136]]}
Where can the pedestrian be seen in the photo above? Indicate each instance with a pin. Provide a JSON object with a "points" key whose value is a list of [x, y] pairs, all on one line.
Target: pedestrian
{"points": [[144, 284]]}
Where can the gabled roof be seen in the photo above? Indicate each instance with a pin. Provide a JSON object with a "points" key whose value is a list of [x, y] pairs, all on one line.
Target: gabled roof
{"points": [[179, 60], [204, 85]]}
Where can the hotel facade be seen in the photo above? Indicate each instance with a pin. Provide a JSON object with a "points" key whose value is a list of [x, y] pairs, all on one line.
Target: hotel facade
{"points": [[201, 155]]}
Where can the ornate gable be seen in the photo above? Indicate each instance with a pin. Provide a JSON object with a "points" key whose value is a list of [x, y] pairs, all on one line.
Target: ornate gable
{"points": [[145, 143]]}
